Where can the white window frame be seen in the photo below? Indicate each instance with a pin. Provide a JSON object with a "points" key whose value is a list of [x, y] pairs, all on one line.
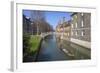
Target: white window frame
{"points": [[82, 23], [82, 33], [76, 24], [82, 14]]}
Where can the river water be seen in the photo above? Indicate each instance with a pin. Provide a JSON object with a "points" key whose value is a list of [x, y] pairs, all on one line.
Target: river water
{"points": [[53, 49]]}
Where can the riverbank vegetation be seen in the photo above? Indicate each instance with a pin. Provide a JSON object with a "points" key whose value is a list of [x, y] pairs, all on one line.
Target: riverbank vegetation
{"points": [[34, 42], [31, 45]]}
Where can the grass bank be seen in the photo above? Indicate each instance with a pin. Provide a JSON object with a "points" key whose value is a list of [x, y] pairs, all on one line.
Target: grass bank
{"points": [[34, 43], [31, 45]]}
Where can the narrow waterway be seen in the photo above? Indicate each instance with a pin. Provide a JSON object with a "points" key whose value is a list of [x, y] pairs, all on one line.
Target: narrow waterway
{"points": [[53, 49]]}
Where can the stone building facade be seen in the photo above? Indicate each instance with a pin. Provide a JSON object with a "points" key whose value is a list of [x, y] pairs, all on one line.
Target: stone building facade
{"points": [[81, 29], [64, 30], [27, 29]]}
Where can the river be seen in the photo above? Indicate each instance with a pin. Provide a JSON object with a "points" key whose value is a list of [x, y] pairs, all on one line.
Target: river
{"points": [[53, 49]]}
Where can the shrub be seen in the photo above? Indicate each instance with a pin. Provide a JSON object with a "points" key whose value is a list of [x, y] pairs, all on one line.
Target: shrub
{"points": [[26, 43]]}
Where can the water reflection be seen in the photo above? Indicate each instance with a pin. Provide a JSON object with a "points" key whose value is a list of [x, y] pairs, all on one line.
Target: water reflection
{"points": [[54, 49], [73, 50]]}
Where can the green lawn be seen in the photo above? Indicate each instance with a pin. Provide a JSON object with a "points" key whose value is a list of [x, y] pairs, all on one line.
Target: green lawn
{"points": [[34, 43]]}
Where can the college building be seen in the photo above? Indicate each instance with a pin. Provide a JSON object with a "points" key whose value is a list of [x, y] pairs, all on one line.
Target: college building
{"points": [[77, 30], [81, 29], [27, 28], [63, 29]]}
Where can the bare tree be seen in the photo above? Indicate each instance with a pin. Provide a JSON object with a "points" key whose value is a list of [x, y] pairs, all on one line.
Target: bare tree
{"points": [[40, 20]]}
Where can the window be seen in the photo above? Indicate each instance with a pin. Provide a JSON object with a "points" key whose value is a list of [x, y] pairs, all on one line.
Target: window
{"points": [[83, 33], [76, 33], [76, 24], [82, 14], [72, 25], [82, 23]]}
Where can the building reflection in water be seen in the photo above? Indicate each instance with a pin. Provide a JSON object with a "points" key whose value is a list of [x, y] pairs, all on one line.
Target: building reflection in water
{"points": [[74, 51]]}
